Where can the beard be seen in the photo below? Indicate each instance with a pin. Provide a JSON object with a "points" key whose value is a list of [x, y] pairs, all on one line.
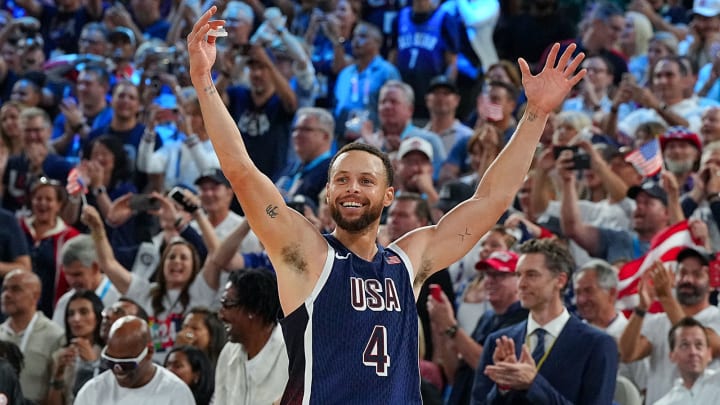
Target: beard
{"points": [[357, 225], [679, 166], [692, 297]]}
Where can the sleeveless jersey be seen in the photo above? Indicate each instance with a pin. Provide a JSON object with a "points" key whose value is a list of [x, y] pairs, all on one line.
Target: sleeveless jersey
{"points": [[421, 49], [355, 339]]}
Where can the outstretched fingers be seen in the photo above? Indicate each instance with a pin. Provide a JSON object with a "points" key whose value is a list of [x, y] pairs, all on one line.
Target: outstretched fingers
{"points": [[565, 57], [524, 68], [552, 56]]}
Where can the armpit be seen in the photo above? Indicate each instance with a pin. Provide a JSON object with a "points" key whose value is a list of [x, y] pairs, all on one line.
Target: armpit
{"points": [[293, 257]]}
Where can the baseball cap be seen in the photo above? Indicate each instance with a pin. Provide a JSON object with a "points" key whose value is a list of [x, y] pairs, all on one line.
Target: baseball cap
{"points": [[443, 81], [453, 193], [122, 33], [503, 261], [415, 144], [214, 175], [651, 188], [690, 252], [680, 134], [707, 8]]}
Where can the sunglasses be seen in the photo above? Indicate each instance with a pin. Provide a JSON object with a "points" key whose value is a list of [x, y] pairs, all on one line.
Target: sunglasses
{"points": [[227, 304], [122, 365]]}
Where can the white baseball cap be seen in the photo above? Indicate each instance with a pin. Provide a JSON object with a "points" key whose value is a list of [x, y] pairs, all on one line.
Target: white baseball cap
{"points": [[707, 8], [415, 144]]}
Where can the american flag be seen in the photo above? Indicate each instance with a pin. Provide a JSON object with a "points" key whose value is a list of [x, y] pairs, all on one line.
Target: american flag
{"points": [[664, 247], [647, 159], [75, 183]]}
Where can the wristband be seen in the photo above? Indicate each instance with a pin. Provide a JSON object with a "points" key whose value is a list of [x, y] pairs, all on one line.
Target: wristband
{"points": [[99, 190], [451, 331], [639, 312]]}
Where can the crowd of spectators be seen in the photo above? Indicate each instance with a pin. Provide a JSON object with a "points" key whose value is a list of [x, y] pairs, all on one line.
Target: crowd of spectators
{"points": [[123, 247]]}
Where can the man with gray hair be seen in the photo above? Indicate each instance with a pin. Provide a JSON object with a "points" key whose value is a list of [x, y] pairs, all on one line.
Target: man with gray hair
{"points": [[312, 137], [395, 112], [596, 286], [82, 272]]}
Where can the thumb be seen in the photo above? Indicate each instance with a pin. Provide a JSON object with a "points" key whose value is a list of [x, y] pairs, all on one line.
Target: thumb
{"points": [[525, 356]]}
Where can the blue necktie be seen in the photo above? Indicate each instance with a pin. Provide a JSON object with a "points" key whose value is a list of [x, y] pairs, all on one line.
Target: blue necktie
{"points": [[539, 351]]}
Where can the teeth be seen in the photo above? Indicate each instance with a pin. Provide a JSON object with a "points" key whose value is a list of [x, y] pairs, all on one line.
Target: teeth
{"points": [[351, 204]]}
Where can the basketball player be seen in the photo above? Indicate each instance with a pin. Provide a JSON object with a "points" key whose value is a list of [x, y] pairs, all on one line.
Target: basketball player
{"points": [[350, 325]]}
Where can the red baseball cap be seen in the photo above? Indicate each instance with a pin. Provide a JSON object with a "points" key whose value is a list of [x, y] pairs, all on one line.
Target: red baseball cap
{"points": [[503, 261], [680, 134]]}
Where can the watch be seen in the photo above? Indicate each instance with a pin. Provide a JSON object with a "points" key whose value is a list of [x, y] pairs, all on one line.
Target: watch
{"points": [[451, 331], [99, 190]]}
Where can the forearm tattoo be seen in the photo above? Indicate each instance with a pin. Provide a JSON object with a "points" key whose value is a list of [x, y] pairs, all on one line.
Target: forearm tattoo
{"points": [[271, 211], [210, 90]]}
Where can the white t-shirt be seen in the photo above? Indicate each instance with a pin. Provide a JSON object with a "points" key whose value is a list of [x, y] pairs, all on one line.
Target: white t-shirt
{"points": [[106, 291], [260, 380], [165, 325], [662, 371], [165, 388]]}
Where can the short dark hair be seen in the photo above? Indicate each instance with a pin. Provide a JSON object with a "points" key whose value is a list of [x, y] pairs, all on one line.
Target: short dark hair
{"points": [[11, 352], [390, 173], [141, 312], [101, 74], [257, 292], [511, 90], [422, 209], [204, 387], [687, 322], [557, 257]]}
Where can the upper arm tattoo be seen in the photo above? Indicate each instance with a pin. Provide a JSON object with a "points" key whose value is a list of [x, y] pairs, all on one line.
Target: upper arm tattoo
{"points": [[464, 234]]}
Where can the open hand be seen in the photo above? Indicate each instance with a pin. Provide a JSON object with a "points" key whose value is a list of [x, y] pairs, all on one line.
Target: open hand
{"points": [[516, 375], [202, 52], [546, 90]]}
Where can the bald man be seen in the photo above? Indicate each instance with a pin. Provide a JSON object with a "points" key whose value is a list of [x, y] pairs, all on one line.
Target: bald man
{"points": [[36, 335], [132, 377]]}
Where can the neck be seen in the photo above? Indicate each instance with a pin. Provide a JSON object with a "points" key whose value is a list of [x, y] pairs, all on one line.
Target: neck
{"points": [[363, 62], [148, 377], [440, 123], [261, 97], [202, 135], [692, 310], [122, 124], [258, 340], [19, 322], [41, 227], [98, 280], [361, 243], [603, 321], [590, 43], [689, 379], [394, 129], [216, 217], [546, 313], [93, 109], [503, 124]]}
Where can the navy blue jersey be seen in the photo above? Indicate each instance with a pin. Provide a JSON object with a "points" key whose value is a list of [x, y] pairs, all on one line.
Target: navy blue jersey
{"points": [[355, 339]]}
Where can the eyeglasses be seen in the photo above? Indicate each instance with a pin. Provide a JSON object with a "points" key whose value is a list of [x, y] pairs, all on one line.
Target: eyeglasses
{"points": [[305, 129], [122, 365], [227, 304]]}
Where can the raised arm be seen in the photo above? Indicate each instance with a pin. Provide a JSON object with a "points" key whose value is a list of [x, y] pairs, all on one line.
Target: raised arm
{"points": [[436, 247], [276, 225], [115, 271], [584, 234]]}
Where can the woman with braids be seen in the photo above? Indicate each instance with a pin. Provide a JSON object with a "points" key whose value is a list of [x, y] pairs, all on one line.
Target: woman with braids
{"points": [[181, 284]]}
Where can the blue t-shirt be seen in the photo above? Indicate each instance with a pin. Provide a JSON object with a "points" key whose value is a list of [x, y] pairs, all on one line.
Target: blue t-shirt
{"points": [[614, 245], [265, 129]]}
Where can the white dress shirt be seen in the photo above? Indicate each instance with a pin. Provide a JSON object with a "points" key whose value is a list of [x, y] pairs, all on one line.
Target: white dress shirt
{"points": [[553, 329], [706, 390]]}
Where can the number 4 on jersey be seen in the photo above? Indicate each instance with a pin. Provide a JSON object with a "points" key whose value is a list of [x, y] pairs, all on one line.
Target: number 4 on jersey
{"points": [[375, 354]]}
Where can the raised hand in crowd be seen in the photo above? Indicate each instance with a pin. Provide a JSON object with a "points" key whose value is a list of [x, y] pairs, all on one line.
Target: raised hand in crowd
{"points": [[669, 183], [119, 211]]}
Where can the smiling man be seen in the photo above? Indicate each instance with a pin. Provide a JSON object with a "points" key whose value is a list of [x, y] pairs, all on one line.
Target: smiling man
{"points": [[253, 366], [132, 377], [351, 325]]}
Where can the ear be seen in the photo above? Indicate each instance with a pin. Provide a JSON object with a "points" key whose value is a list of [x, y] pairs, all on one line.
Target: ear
{"points": [[95, 267], [389, 196], [562, 280]]}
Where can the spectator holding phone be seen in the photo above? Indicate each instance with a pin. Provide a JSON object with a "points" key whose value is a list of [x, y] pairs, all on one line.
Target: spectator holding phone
{"points": [[181, 284]]}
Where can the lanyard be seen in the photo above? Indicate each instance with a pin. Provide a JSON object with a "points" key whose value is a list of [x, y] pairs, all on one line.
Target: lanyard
{"points": [[105, 289], [545, 356], [27, 332]]}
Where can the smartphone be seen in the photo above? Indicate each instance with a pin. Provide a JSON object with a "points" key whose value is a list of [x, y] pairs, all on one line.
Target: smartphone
{"points": [[436, 292], [143, 203], [581, 161], [178, 196]]}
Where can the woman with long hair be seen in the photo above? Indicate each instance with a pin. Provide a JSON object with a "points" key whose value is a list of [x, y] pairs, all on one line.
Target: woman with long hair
{"points": [[79, 361], [11, 140], [192, 366], [180, 283]]}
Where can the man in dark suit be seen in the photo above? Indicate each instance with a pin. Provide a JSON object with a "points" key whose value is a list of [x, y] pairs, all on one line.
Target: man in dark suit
{"points": [[553, 357]]}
